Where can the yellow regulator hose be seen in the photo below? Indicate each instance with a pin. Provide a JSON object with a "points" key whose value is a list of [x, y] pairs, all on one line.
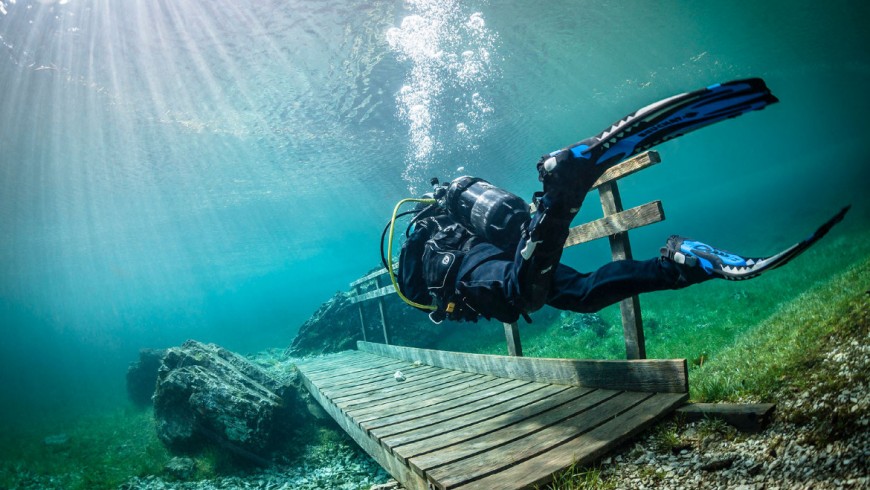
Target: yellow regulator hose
{"points": [[390, 253]]}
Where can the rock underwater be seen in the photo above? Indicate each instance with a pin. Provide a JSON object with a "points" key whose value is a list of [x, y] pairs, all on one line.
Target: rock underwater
{"points": [[142, 376], [205, 393], [335, 326]]}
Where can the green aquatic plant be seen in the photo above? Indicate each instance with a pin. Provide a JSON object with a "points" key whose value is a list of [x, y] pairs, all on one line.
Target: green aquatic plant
{"points": [[666, 438], [651, 474], [715, 427], [577, 477], [782, 348], [100, 452]]}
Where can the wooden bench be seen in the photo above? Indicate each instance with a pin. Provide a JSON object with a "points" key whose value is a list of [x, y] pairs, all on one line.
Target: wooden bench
{"points": [[615, 225]]}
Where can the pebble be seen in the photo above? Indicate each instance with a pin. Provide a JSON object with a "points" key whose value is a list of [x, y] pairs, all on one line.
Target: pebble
{"points": [[346, 468]]}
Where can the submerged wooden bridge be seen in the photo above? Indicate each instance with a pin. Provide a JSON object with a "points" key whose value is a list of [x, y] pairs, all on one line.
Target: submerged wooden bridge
{"points": [[443, 420], [446, 420]]}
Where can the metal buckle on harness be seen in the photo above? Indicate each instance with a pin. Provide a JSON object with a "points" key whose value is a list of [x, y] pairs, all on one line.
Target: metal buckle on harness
{"points": [[437, 316]]}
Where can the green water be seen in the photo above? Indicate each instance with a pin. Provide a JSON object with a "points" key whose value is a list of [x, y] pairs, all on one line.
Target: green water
{"points": [[216, 170]]}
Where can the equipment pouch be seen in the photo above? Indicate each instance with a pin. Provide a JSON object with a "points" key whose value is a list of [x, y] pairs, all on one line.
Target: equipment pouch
{"points": [[442, 258]]}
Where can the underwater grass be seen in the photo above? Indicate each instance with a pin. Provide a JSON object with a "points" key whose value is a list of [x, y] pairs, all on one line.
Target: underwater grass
{"points": [[782, 348], [577, 477], [101, 452]]}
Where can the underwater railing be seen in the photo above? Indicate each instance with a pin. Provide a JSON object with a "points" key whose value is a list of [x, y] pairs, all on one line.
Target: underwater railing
{"points": [[358, 296], [614, 225]]}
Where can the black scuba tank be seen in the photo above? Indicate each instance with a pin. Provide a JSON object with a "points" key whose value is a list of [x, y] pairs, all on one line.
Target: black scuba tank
{"points": [[486, 210]]}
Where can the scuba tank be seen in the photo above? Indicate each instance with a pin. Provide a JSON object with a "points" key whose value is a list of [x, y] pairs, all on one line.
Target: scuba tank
{"points": [[477, 208], [489, 212]]}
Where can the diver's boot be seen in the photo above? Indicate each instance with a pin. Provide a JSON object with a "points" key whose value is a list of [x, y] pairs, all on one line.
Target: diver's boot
{"points": [[566, 180], [698, 261], [540, 251]]}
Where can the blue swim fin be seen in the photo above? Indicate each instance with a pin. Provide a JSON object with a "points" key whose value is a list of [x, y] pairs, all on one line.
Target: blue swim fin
{"points": [[669, 118], [726, 265]]}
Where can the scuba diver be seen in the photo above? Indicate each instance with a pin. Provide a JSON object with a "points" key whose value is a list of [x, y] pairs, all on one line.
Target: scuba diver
{"points": [[477, 250]]}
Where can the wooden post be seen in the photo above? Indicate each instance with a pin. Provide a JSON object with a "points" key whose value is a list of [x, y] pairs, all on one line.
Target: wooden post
{"points": [[512, 334], [362, 319], [620, 249], [381, 307]]}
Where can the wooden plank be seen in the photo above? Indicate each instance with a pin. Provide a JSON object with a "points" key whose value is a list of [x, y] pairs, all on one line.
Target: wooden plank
{"points": [[326, 364], [582, 450], [448, 399], [386, 381], [385, 395], [411, 411], [373, 275], [397, 405], [620, 249], [398, 470], [377, 293], [650, 375], [339, 371], [747, 417], [384, 399], [349, 378], [645, 214], [533, 399], [358, 360], [628, 167], [322, 367], [361, 378], [468, 468], [390, 386], [479, 425], [500, 431], [512, 335], [325, 359], [346, 360], [374, 375], [359, 370]]}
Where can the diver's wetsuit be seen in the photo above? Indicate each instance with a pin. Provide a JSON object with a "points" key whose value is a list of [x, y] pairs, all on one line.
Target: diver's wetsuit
{"points": [[493, 289], [501, 284]]}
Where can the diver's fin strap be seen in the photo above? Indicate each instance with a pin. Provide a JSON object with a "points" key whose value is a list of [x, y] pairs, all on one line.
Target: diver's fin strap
{"points": [[670, 118], [725, 265]]}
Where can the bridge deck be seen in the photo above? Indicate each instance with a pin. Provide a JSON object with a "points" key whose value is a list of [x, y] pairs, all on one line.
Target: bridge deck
{"points": [[467, 429]]}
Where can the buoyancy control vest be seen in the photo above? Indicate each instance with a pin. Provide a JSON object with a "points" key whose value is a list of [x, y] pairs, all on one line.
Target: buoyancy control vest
{"points": [[430, 263], [461, 215]]}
